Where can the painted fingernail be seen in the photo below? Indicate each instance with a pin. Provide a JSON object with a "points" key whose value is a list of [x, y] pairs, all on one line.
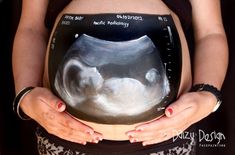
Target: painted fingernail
{"points": [[139, 129], [60, 104], [170, 111]]}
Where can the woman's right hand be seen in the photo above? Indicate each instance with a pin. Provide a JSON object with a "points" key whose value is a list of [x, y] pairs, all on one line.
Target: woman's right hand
{"points": [[49, 111]]}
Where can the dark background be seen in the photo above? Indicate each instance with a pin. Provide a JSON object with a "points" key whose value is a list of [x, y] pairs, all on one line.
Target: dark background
{"points": [[17, 137]]}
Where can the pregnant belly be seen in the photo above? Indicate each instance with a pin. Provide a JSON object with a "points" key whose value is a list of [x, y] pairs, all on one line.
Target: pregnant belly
{"points": [[115, 69]]}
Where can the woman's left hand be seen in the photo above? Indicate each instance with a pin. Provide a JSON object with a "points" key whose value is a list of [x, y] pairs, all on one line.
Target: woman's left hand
{"points": [[188, 109]]}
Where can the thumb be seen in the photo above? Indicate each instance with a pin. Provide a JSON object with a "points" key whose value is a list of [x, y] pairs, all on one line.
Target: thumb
{"points": [[54, 102], [176, 107]]}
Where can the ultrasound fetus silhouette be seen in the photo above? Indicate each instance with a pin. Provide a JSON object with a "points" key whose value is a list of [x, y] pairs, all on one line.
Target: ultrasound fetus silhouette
{"points": [[112, 82]]}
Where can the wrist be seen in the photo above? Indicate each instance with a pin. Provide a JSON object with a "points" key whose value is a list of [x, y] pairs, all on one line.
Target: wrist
{"points": [[17, 101], [212, 90]]}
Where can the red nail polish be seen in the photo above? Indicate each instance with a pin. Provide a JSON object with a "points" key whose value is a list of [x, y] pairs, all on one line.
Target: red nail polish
{"points": [[170, 110], [139, 129], [60, 104]]}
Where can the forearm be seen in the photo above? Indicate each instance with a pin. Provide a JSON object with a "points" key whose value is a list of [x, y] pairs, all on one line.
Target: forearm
{"points": [[211, 60], [28, 58], [211, 52]]}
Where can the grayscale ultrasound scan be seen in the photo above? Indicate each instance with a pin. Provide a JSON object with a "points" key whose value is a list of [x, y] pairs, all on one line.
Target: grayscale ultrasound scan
{"points": [[113, 78]]}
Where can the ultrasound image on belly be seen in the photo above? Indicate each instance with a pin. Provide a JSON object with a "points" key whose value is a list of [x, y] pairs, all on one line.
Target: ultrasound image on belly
{"points": [[105, 81]]}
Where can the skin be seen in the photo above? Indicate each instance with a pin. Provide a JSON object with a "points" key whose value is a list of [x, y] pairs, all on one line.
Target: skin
{"points": [[41, 105]]}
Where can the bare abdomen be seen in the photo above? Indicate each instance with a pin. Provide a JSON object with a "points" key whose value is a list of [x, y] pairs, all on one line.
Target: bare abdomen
{"points": [[115, 113]]}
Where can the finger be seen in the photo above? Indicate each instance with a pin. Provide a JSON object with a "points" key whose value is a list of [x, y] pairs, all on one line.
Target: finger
{"points": [[156, 128], [170, 131], [72, 134], [158, 139], [178, 106], [153, 125], [141, 136], [60, 126], [76, 139], [80, 136], [50, 99], [76, 124], [148, 135], [72, 139], [160, 136], [67, 133], [165, 135], [61, 123], [166, 122], [148, 130], [79, 126]]}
